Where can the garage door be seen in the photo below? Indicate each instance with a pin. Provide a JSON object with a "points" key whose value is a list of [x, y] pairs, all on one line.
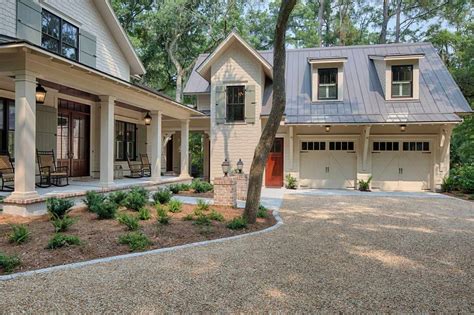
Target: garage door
{"points": [[401, 165], [327, 164]]}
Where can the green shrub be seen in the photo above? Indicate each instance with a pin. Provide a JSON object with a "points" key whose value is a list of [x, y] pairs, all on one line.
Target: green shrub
{"points": [[162, 214], [203, 205], [262, 212], [20, 234], [118, 197], [466, 178], [92, 199], [206, 230], [135, 200], [202, 219], [200, 186], [175, 206], [237, 223], [58, 208], [449, 184], [364, 185], [144, 214], [162, 196], [131, 222], [291, 182], [184, 187], [135, 241], [62, 224], [9, 262], [106, 210], [188, 217], [142, 191], [175, 188], [61, 240], [216, 216]]}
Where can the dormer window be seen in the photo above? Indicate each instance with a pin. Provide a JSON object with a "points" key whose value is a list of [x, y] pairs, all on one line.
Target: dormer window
{"points": [[402, 81], [327, 83]]}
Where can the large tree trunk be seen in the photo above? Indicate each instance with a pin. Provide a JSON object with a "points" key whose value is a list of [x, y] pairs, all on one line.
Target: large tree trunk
{"points": [[320, 23], [383, 31], [397, 21], [278, 108]]}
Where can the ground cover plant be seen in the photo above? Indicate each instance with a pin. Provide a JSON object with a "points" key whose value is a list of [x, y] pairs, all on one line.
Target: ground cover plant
{"points": [[60, 240], [9, 262], [162, 196], [19, 234]]}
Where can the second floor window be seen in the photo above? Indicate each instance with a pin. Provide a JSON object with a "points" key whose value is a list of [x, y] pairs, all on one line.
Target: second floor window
{"points": [[59, 36], [327, 85], [125, 140], [402, 81], [235, 109]]}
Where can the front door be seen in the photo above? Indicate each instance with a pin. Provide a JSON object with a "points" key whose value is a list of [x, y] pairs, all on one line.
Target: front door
{"points": [[274, 168], [73, 137], [169, 155]]}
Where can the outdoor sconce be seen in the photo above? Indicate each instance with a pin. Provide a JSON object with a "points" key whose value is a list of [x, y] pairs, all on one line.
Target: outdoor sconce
{"points": [[147, 119], [327, 128], [403, 128], [240, 166], [40, 94], [225, 167]]}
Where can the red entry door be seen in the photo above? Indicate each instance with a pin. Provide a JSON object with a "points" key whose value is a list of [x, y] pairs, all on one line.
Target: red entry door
{"points": [[274, 168]]}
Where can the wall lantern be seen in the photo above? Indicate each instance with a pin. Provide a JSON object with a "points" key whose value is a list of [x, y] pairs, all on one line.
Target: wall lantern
{"points": [[225, 167], [40, 94], [403, 128], [327, 128], [240, 166], [147, 119]]}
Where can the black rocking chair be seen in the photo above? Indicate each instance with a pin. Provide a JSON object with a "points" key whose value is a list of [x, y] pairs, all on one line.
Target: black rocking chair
{"points": [[7, 172], [49, 173]]}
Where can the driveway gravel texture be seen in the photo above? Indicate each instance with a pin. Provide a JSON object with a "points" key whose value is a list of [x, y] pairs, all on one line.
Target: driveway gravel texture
{"points": [[333, 253]]}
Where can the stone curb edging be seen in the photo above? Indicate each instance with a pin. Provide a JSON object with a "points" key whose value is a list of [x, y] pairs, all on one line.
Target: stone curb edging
{"points": [[275, 212]]}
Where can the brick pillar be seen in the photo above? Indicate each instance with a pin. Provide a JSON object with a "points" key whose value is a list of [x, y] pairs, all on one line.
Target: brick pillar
{"points": [[242, 186], [225, 191]]}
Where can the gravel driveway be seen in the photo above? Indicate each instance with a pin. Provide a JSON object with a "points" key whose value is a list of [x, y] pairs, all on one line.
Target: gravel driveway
{"points": [[334, 253]]}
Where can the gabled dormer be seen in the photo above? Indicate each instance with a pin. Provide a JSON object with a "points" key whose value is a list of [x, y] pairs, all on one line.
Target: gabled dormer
{"points": [[399, 75], [327, 78]]}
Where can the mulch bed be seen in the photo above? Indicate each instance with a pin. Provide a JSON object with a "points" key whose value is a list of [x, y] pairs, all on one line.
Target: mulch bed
{"points": [[100, 237], [191, 193], [460, 195]]}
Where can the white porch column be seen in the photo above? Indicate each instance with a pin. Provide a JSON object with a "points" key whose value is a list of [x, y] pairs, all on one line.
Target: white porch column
{"points": [[291, 148], [107, 104], [25, 135], [155, 130], [184, 148]]}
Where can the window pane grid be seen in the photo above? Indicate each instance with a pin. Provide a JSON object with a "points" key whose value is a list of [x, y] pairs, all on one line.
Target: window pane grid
{"points": [[420, 146], [313, 145], [402, 81], [327, 83], [235, 103], [125, 140], [341, 146], [59, 36]]}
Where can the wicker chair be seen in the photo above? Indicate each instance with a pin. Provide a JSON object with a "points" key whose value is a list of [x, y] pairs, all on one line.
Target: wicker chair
{"points": [[7, 172], [146, 165], [136, 169], [49, 173]]}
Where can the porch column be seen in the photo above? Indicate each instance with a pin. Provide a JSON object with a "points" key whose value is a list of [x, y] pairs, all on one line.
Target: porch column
{"points": [[107, 104], [184, 148], [155, 130], [25, 135], [206, 156]]}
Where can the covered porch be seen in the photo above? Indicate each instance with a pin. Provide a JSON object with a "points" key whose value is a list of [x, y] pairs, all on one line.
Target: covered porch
{"points": [[93, 122]]}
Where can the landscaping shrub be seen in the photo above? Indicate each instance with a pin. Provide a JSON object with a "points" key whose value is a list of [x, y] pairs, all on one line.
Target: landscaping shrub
{"points": [[118, 197], [106, 210], [200, 186], [144, 214], [203, 205], [61, 240], [466, 178], [175, 188], [237, 223], [162, 196], [136, 200], [92, 199], [216, 216], [58, 208], [135, 241], [162, 214], [9, 262], [449, 184], [206, 230], [262, 212], [291, 182], [202, 219], [62, 224], [131, 222], [19, 234], [188, 217], [175, 206], [184, 187], [364, 185]]}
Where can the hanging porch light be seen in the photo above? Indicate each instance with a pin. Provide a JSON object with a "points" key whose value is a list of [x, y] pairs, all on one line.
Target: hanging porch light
{"points": [[40, 94], [147, 119]]}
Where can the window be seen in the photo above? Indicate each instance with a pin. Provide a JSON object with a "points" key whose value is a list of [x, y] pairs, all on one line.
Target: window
{"points": [[313, 146], [341, 146], [7, 126], [327, 85], [402, 81], [235, 103], [416, 146], [59, 36], [125, 140], [385, 146]]}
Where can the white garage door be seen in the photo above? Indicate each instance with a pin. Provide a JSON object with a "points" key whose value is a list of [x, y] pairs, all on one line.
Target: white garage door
{"points": [[401, 165], [327, 164]]}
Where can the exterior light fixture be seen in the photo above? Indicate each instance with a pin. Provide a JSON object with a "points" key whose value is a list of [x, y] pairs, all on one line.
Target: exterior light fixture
{"points": [[225, 167], [327, 128], [40, 94], [403, 128], [240, 166], [147, 119]]}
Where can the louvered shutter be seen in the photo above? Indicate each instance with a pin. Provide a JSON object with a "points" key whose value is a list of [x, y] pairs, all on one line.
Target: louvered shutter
{"points": [[220, 104], [87, 48], [28, 22], [250, 104]]}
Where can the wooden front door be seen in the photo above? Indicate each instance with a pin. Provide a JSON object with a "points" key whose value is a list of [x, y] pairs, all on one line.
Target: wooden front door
{"points": [[274, 168], [73, 137]]}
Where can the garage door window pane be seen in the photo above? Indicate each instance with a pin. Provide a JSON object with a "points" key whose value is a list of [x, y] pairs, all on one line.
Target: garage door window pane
{"points": [[304, 146], [351, 146], [316, 145], [331, 146], [412, 146], [376, 146], [310, 146], [322, 146], [395, 146], [426, 146], [344, 146], [382, 146]]}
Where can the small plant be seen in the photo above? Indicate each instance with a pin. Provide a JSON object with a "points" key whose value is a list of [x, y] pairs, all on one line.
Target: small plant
{"points": [[175, 188], [9, 262], [364, 185], [188, 217], [136, 199], [237, 223], [162, 214], [202, 205], [144, 214], [216, 216], [20, 234], [162, 196], [106, 210], [184, 187], [135, 241], [92, 199], [200, 186], [175, 206], [206, 230], [118, 197], [62, 224], [291, 182], [61, 240], [262, 212], [131, 222], [58, 208], [202, 219]]}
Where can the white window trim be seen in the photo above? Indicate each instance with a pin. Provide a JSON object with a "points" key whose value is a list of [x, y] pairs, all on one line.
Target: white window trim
{"points": [[315, 80], [415, 78]]}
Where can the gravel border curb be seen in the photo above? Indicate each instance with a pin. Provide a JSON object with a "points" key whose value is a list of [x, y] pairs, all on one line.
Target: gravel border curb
{"points": [[276, 215]]}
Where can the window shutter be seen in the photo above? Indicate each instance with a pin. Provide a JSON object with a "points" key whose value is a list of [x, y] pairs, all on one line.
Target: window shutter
{"points": [[28, 23], [220, 104], [141, 139], [87, 48], [46, 127], [250, 104]]}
